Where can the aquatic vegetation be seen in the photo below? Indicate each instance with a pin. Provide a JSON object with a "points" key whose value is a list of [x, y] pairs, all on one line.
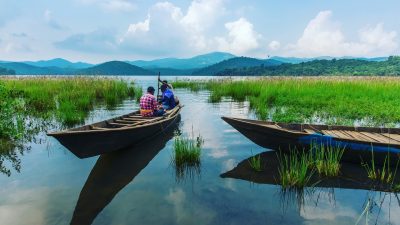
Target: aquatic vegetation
{"points": [[69, 100], [187, 150], [136, 91], [383, 174], [294, 170], [186, 157], [255, 163], [305, 99], [28, 105], [326, 159]]}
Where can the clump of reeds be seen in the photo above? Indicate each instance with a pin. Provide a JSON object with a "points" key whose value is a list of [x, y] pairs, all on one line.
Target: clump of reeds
{"points": [[255, 163], [326, 158], [383, 174], [187, 150], [294, 170], [186, 157]]}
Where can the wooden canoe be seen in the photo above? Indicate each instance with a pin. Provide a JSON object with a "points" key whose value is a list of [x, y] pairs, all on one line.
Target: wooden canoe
{"points": [[359, 142], [114, 134]]}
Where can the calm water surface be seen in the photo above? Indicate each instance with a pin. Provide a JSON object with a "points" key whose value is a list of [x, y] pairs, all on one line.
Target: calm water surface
{"points": [[139, 185]]}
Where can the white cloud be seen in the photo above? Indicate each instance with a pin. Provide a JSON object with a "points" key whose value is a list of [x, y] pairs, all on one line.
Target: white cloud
{"points": [[241, 39], [201, 14], [274, 45], [168, 31], [323, 36]]}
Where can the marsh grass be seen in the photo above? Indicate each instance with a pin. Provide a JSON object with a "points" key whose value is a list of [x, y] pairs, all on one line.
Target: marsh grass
{"points": [[68, 99], [186, 157], [304, 98], [255, 163], [294, 169], [32, 104], [326, 159], [381, 174]]}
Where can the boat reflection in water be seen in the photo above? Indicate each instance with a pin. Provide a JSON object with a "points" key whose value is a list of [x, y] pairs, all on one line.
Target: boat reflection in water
{"points": [[351, 176], [112, 172]]}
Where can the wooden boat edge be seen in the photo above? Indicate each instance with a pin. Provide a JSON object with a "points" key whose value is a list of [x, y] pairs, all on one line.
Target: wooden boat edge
{"points": [[294, 132], [69, 132]]}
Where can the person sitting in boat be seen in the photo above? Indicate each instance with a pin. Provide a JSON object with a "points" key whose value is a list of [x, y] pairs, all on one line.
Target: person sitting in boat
{"points": [[165, 82], [148, 104], [167, 98]]}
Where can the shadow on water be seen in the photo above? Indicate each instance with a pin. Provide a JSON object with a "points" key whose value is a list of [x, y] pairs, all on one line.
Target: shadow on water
{"points": [[352, 176], [379, 197], [112, 172]]}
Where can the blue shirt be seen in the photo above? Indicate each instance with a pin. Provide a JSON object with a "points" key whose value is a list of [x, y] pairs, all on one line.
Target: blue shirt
{"points": [[168, 99]]}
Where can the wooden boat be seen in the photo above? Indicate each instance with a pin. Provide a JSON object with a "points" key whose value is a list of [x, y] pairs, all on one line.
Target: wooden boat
{"points": [[360, 143], [115, 133]]}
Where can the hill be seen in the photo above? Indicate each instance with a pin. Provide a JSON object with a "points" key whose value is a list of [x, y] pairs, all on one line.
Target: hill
{"points": [[59, 62], [235, 63], [4, 71], [356, 67], [184, 64], [294, 60], [25, 69], [114, 68]]}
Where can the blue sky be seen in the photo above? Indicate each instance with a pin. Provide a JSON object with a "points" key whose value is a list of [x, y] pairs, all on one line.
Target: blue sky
{"points": [[101, 30]]}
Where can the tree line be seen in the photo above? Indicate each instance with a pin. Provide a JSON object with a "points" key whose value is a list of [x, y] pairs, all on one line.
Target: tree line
{"points": [[349, 67]]}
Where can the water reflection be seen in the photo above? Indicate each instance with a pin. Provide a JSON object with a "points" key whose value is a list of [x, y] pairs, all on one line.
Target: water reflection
{"points": [[352, 176], [111, 173]]}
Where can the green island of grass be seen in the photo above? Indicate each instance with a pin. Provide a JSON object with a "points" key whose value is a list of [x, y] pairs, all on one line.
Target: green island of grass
{"points": [[369, 101]]}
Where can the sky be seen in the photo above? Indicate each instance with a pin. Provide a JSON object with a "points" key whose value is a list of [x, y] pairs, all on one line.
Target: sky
{"points": [[101, 30]]}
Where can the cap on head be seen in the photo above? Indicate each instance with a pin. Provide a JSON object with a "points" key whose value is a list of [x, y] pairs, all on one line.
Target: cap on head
{"points": [[150, 90]]}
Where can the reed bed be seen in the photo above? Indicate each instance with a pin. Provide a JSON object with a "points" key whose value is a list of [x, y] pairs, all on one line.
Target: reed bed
{"points": [[374, 100], [68, 99]]}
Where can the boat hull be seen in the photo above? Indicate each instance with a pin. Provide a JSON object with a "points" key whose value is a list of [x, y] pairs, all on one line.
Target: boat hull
{"points": [[88, 143], [281, 140]]}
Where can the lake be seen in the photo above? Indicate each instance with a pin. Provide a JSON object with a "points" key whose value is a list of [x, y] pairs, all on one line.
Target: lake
{"points": [[140, 185]]}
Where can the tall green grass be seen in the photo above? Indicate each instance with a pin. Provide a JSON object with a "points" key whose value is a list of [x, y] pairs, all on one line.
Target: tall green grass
{"points": [[255, 163], [28, 105], [294, 170], [384, 174], [374, 100], [68, 99], [326, 158], [186, 157]]}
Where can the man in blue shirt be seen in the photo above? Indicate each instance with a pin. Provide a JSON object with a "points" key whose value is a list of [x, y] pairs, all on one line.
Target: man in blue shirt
{"points": [[167, 98]]}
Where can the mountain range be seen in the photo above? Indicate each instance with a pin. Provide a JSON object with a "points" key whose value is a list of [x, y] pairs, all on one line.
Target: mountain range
{"points": [[207, 64]]}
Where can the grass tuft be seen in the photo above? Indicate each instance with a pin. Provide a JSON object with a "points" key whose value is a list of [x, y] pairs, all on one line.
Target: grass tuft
{"points": [[255, 163], [294, 170], [326, 159]]}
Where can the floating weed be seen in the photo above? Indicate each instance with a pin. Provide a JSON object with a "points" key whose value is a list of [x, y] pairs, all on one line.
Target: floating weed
{"points": [[326, 158], [294, 169]]}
